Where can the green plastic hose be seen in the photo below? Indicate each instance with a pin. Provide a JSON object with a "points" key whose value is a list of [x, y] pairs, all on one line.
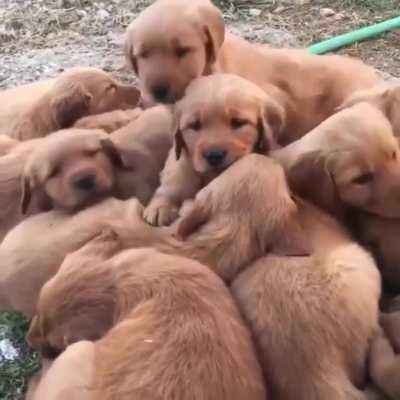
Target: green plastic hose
{"points": [[354, 36]]}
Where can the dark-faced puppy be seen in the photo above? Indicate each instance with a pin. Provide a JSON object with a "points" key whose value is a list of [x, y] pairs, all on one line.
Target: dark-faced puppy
{"points": [[75, 93], [71, 169], [165, 327], [221, 119]]}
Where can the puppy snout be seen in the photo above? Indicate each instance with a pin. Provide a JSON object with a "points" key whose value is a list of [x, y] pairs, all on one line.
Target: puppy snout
{"points": [[161, 92], [85, 183], [215, 157]]}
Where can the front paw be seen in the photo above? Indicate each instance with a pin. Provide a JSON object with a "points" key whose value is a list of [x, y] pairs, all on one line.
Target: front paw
{"points": [[160, 212]]}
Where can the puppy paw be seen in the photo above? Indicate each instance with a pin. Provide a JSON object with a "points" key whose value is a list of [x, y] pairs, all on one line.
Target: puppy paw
{"points": [[160, 212]]}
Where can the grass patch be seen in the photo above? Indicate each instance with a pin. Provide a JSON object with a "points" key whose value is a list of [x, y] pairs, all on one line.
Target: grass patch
{"points": [[14, 373]]}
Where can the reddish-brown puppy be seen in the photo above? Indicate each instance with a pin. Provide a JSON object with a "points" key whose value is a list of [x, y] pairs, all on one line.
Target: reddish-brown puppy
{"points": [[164, 327], [75, 93]]}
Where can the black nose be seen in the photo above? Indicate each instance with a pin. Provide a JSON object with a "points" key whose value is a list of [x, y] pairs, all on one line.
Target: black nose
{"points": [[215, 157], [86, 183], [161, 92]]}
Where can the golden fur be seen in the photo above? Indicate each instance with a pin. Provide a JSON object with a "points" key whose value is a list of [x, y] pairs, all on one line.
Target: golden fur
{"points": [[191, 41], [164, 327], [351, 160], [221, 118], [33, 251], [75, 93], [109, 121]]}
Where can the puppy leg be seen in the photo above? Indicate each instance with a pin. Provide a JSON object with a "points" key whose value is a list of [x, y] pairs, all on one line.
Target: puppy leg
{"points": [[179, 182], [384, 367]]}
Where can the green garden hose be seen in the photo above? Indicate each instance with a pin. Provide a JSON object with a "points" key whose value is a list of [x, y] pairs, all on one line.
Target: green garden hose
{"points": [[355, 36]]}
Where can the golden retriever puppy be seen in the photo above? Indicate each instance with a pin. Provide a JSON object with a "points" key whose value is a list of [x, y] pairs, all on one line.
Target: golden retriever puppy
{"points": [[164, 327], [384, 362], [191, 41], [221, 118], [109, 121], [75, 93], [32, 252], [316, 346], [350, 160], [386, 97]]}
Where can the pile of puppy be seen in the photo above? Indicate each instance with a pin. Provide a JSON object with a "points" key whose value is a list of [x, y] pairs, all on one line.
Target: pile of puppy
{"points": [[227, 232]]}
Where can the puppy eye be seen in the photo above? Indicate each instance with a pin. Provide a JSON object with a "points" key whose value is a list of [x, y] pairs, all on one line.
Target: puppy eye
{"points": [[181, 52], [143, 54], [394, 155], [195, 125], [364, 178], [54, 172], [90, 153], [237, 123]]}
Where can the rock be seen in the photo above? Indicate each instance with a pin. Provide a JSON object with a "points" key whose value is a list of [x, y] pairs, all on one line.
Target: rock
{"points": [[102, 14], [254, 12], [326, 12]]}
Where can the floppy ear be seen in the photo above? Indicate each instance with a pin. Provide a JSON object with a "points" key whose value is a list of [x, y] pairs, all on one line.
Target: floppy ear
{"points": [[71, 103], [128, 51], [26, 193], [191, 222], [270, 125], [112, 152], [311, 179], [214, 29]]}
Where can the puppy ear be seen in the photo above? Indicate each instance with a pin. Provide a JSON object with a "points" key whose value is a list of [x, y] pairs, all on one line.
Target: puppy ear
{"points": [[71, 103], [112, 152], [270, 125], [192, 221], [26, 193], [214, 29], [310, 177], [35, 334]]}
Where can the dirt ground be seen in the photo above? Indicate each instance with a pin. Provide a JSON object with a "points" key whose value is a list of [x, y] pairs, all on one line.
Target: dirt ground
{"points": [[40, 38]]}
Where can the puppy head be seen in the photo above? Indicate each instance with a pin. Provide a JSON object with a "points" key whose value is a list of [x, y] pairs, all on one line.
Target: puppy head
{"points": [[71, 169], [183, 37], [79, 92], [357, 163], [252, 199], [222, 118], [386, 97]]}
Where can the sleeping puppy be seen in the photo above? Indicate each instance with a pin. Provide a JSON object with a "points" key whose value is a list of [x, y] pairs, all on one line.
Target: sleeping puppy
{"points": [[221, 119], [163, 327], [353, 157], [32, 252], [312, 347], [75, 93], [384, 362], [109, 121], [191, 42]]}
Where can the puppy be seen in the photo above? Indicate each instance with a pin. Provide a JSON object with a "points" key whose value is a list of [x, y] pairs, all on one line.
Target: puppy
{"points": [[109, 121], [384, 363], [221, 118], [75, 93], [191, 41], [164, 327], [248, 212], [354, 157], [32, 252]]}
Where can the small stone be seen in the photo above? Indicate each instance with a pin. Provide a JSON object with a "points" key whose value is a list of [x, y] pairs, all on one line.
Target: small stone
{"points": [[339, 16], [326, 12], [302, 2], [254, 12], [102, 14]]}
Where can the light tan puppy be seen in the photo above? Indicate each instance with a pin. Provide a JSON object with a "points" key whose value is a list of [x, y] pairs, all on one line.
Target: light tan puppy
{"points": [[384, 363], [350, 160], [74, 94], [165, 327], [188, 39], [109, 121], [322, 339], [221, 119], [33, 251]]}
